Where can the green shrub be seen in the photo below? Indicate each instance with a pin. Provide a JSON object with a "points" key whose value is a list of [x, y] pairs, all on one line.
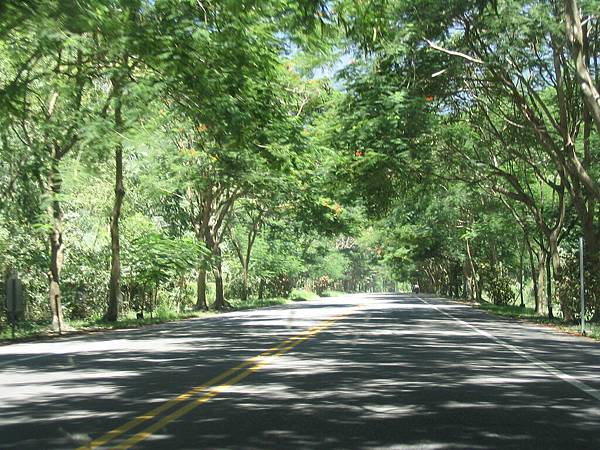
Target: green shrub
{"points": [[498, 285], [500, 290], [321, 284], [299, 295], [330, 293], [567, 289]]}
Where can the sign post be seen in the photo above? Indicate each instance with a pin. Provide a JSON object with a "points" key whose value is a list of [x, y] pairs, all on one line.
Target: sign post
{"points": [[14, 300], [581, 285]]}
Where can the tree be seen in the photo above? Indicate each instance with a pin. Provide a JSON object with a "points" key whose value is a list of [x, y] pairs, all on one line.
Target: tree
{"points": [[47, 80]]}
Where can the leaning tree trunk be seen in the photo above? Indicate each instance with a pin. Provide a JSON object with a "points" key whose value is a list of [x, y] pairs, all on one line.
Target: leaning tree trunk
{"points": [[114, 291], [57, 249], [576, 37], [472, 280]]}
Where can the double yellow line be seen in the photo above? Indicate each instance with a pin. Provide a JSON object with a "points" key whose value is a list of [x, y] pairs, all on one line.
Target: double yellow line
{"points": [[210, 389]]}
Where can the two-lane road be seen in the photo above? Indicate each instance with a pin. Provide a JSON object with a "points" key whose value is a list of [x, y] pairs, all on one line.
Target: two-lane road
{"points": [[361, 371]]}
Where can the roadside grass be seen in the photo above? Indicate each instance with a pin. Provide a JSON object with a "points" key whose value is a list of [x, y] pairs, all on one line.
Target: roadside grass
{"points": [[592, 330], [23, 330], [332, 294], [513, 311], [34, 330], [256, 303], [30, 330], [130, 321], [301, 295]]}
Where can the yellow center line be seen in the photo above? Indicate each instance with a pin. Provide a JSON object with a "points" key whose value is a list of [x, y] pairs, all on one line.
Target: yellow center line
{"points": [[170, 403], [258, 361], [136, 438], [213, 392]]}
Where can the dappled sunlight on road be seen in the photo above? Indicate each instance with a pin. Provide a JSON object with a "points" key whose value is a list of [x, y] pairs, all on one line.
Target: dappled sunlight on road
{"points": [[390, 372]]}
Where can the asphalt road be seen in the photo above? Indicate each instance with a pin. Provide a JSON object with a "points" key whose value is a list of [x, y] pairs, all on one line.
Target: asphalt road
{"points": [[361, 371]]}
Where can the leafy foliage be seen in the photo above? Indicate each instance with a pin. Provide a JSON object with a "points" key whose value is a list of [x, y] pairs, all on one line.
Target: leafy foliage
{"points": [[454, 146]]}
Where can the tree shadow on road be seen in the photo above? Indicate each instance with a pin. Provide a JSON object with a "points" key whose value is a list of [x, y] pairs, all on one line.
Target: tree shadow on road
{"points": [[395, 374]]}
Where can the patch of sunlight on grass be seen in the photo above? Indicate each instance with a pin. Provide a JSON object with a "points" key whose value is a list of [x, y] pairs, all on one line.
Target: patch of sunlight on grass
{"points": [[23, 329], [514, 311], [332, 294], [299, 295], [255, 303], [26, 330]]}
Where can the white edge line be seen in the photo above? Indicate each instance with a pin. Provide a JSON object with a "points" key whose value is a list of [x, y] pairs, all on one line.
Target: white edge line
{"points": [[541, 364]]}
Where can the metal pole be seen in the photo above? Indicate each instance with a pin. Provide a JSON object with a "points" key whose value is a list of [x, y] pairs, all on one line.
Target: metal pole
{"points": [[14, 305], [581, 286]]}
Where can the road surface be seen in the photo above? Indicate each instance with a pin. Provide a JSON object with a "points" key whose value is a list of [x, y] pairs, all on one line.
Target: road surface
{"points": [[360, 371]]}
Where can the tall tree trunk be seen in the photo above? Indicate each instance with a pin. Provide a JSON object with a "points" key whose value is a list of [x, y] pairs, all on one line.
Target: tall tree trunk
{"points": [[261, 289], [220, 302], [245, 282], [565, 304], [114, 291], [180, 292], [57, 247], [201, 304], [466, 293], [549, 287], [244, 256], [243, 263], [521, 276], [536, 292], [479, 288], [577, 37], [541, 276], [473, 285], [202, 235]]}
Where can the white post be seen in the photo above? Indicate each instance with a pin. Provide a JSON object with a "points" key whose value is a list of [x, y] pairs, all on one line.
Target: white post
{"points": [[581, 286]]}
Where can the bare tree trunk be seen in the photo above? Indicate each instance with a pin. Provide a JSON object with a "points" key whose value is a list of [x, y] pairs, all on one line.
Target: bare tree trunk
{"points": [[180, 292], [549, 287], [565, 305], [472, 280], [534, 280], [220, 302], [154, 298], [577, 37], [542, 262], [521, 276], [114, 291], [245, 281], [57, 249], [244, 262], [201, 304]]}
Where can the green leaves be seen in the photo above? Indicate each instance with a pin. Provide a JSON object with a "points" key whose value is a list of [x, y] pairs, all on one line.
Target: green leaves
{"points": [[152, 258]]}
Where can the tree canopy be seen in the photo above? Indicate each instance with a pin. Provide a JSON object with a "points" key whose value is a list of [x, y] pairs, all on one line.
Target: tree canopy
{"points": [[180, 154]]}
